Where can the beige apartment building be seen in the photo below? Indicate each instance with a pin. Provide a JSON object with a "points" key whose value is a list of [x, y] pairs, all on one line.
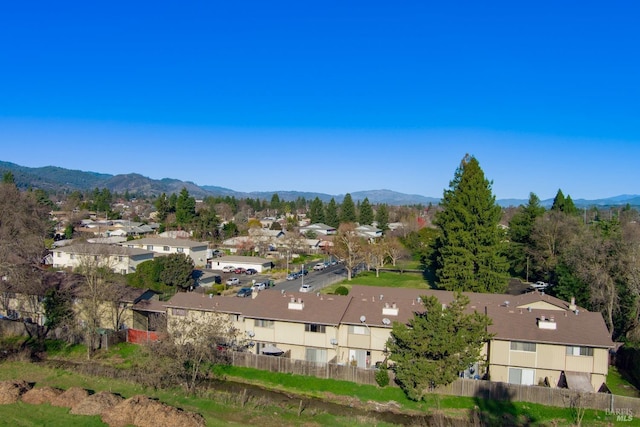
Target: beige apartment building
{"points": [[536, 338]]}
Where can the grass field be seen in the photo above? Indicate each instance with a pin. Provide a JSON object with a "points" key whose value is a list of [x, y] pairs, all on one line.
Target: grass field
{"points": [[386, 279]]}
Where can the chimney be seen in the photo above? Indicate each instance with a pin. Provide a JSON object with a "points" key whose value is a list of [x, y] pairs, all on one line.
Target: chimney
{"points": [[390, 311], [296, 304], [572, 304], [550, 324]]}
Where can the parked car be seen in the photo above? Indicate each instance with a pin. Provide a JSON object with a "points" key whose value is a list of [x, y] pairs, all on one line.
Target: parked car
{"points": [[244, 292], [306, 288], [251, 271], [319, 266], [539, 285], [259, 286], [233, 281], [293, 276], [228, 269], [239, 270]]}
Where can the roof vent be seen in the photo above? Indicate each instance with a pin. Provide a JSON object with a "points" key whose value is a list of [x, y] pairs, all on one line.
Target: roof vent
{"points": [[381, 296], [386, 321], [506, 303], [529, 309]]}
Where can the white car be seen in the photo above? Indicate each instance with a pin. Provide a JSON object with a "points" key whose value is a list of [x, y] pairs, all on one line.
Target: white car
{"points": [[306, 288], [319, 266], [233, 281], [228, 269], [539, 285], [260, 286]]}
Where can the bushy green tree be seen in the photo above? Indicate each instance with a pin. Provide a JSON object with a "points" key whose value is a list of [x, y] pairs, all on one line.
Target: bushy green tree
{"points": [[177, 271], [520, 231], [468, 253], [436, 345]]}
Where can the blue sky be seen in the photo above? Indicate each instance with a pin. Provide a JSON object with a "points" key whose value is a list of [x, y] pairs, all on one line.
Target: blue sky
{"points": [[329, 96]]}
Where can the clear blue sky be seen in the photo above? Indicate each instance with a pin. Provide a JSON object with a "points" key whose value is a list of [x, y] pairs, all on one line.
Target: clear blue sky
{"points": [[331, 96]]}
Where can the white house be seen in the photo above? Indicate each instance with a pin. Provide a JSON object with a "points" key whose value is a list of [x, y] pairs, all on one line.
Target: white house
{"points": [[119, 259], [197, 251]]}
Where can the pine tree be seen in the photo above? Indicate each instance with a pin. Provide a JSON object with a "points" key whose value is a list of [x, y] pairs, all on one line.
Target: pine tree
{"points": [[436, 345], [468, 252], [185, 208], [365, 216], [382, 217], [348, 210], [316, 211], [331, 216], [520, 229], [558, 202]]}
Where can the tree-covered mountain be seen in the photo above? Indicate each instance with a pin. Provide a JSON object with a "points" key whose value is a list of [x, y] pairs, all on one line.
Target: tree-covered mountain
{"points": [[60, 180]]}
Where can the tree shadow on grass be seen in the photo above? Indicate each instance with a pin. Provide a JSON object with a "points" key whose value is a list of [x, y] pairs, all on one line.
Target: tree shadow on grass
{"points": [[494, 407]]}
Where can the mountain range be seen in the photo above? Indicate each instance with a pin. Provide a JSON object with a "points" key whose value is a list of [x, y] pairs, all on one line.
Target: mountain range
{"points": [[56, 179]]}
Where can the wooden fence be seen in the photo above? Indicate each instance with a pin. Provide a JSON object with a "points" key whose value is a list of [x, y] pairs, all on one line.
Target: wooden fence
{"points": [[303, 367], [560, 397]]}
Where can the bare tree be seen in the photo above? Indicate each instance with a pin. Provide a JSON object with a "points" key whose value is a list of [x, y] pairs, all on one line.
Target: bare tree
{"points": [[193, 343], [552, 233], [348, 246], [394, 249], [100, 291]]}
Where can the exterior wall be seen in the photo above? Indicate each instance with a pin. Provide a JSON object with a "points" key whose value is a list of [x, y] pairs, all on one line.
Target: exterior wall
{"points": [[197, 253], [548, 361], [118, 263]]}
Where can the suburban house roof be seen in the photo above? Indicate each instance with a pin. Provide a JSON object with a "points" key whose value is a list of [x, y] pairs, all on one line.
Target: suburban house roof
{"points": [[514, 317], [239, 259], [202, 302], [511, 318], [298, 307], [101, 249], [167, 241]]}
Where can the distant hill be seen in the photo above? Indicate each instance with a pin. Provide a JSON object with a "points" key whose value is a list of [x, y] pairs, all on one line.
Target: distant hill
{"points": [[56, 179]]}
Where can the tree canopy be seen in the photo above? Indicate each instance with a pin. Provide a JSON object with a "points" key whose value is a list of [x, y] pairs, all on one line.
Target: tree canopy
{"points": [[436, 345], [468, 253]]}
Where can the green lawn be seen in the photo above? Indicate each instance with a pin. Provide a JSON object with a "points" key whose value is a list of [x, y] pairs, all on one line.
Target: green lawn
{"points": [[619, 385], [386, 279]]}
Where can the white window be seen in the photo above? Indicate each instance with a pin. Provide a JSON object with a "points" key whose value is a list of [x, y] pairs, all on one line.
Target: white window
{"points": [[579, 351], [312, 327], [316, 355], [261, 323], [149, 247], [358, 330], [521, 376], [523, 346], [180, 250], [166, 248], [179, 311]]}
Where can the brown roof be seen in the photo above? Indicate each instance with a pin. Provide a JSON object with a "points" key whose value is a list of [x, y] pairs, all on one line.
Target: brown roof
{"points": [[509, 321], [200, 301], [321, 309]]}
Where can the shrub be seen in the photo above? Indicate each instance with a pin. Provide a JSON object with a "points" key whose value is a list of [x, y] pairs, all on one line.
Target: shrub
{"points": [[341, 290], [382, 376]]}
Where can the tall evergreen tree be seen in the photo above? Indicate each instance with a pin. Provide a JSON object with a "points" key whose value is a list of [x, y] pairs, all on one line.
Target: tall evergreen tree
{"points": [[275, 202], [365, 214], [468, 252], [382, 217], [8, 178], [316, 211], [185, 208], [331, 216], [348, 210], [558, 202], [162, 207], [569, 207]]}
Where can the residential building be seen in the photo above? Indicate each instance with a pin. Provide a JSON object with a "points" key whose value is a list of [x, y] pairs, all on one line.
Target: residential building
{"points": [[120, 259], [197, 251], [536, 338]]}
